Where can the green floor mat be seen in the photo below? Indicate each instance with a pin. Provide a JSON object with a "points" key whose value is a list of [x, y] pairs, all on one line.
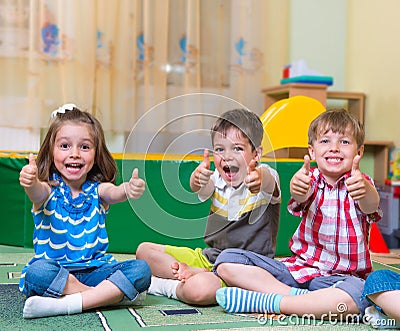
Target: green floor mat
{"points": [[146, 317], [11, 305]]}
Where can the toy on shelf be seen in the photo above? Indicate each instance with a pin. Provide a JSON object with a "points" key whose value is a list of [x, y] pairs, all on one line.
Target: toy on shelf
{"points": [[299, 72], [394, 173]]}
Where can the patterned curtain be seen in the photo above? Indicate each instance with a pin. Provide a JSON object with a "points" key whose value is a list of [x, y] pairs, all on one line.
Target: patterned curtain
{"points": [[120, 58]]}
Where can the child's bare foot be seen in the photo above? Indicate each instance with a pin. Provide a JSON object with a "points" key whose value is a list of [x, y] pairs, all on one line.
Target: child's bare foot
{"points": [[183, 272]]}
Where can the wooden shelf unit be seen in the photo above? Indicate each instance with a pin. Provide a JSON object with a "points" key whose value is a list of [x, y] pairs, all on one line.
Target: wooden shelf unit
{"points": [[355, 104], [380, 150], [355, 100], [276, 93]]}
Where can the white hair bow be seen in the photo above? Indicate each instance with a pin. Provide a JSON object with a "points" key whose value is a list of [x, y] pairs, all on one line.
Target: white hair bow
{"points": [[62, 109]]}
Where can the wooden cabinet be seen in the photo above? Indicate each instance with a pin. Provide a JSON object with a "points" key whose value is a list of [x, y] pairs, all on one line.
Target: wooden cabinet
{"points": [[354, 102], [276, 93], [380, 150]]}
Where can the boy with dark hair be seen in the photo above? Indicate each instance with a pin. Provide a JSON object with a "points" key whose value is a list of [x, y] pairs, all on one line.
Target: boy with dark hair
{"points": [[244, 212]]}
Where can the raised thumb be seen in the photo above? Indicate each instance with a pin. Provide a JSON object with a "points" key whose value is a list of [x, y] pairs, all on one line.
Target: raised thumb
{"points": [[32, 160], [135, 173]]}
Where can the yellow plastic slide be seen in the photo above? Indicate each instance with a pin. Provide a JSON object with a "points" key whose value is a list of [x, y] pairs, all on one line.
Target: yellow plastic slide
{"points": [[286, 122]]}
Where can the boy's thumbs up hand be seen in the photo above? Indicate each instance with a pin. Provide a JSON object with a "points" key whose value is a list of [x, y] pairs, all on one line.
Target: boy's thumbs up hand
{"points": [[253, 178], [356, 165], [251, 167], [356, 183], [206, 159], [136, 186], [300, 182], [306, 166], [203, 173], [29, 173]]}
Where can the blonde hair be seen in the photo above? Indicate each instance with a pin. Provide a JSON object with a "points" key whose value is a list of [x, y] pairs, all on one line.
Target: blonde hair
{"points": [[104, 168], [337, 121]]}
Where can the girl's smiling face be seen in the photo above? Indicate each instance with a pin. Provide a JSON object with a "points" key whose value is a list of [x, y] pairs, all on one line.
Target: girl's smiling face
{"points": [[232, 154], [74, 153], [334, 153]]}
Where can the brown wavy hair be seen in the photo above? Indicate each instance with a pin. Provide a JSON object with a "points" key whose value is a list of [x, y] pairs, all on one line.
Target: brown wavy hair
{"points": [[336, 120], [104, 168]]}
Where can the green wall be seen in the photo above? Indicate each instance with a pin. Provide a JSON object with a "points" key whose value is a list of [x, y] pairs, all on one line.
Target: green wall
{"points": [[13, 203], [167, 213]]}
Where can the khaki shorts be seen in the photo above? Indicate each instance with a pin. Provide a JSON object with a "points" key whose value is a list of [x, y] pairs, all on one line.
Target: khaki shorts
{"points": [[192, 257]]}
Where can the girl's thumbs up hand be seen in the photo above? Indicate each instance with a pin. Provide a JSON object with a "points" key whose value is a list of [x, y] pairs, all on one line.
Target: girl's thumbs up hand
{"points": [[135, 186], [29, 173]]}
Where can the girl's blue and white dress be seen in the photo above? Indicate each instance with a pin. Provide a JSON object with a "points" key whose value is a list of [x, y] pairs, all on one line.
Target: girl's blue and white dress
{"points": [[70, 230]]}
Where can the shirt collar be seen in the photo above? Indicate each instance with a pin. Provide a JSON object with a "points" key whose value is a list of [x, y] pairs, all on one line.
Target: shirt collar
{"points": [[322, 181]]}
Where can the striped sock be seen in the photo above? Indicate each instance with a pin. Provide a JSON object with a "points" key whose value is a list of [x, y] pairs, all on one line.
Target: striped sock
{"points": [[298, 291], [336, 284], [235, 300]]}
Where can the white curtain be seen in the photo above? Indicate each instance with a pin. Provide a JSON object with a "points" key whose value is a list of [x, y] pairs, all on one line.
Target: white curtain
{"points": [[118, 59]]}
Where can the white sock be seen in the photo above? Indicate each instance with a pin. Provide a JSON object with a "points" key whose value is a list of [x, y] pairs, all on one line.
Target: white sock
{"points": [[378, 320], [126, 302], [163, 287], [37, 306]]}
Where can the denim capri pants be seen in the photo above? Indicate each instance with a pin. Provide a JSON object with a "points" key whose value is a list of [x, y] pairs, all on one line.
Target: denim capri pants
{"points": [[381, 281], [352, 285], [48, 278]]}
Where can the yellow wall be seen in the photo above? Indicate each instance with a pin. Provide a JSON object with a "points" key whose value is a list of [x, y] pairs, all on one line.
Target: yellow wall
{"points": [[356, 42], [373, 64]]}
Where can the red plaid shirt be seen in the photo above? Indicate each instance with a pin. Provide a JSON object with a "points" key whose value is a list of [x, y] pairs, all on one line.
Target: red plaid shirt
{"points": [[333, 234]]}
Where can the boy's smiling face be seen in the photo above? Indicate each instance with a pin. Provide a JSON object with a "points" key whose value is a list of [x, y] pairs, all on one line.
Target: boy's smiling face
{"points": [[232, 154], [334, 153]]}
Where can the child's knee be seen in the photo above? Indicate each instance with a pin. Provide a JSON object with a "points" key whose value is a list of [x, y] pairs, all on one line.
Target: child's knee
{"points": [[139, 274], [144, 248], [144, 269], [40, 267], [346, 304], [224, 270], [202, 293], [201, 288], [40, 275], [141, 248]]}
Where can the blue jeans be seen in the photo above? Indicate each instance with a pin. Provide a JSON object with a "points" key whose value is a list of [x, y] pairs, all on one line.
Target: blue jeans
{"points": [[48, 278], [352, 285], [381, 281]]}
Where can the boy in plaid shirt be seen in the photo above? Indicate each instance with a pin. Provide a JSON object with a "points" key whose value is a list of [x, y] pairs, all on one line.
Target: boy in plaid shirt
{"points": [[325, 275]]}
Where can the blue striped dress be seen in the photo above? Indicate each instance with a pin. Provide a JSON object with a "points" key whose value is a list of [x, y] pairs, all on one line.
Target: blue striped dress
{"points": [[70, 230]]}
